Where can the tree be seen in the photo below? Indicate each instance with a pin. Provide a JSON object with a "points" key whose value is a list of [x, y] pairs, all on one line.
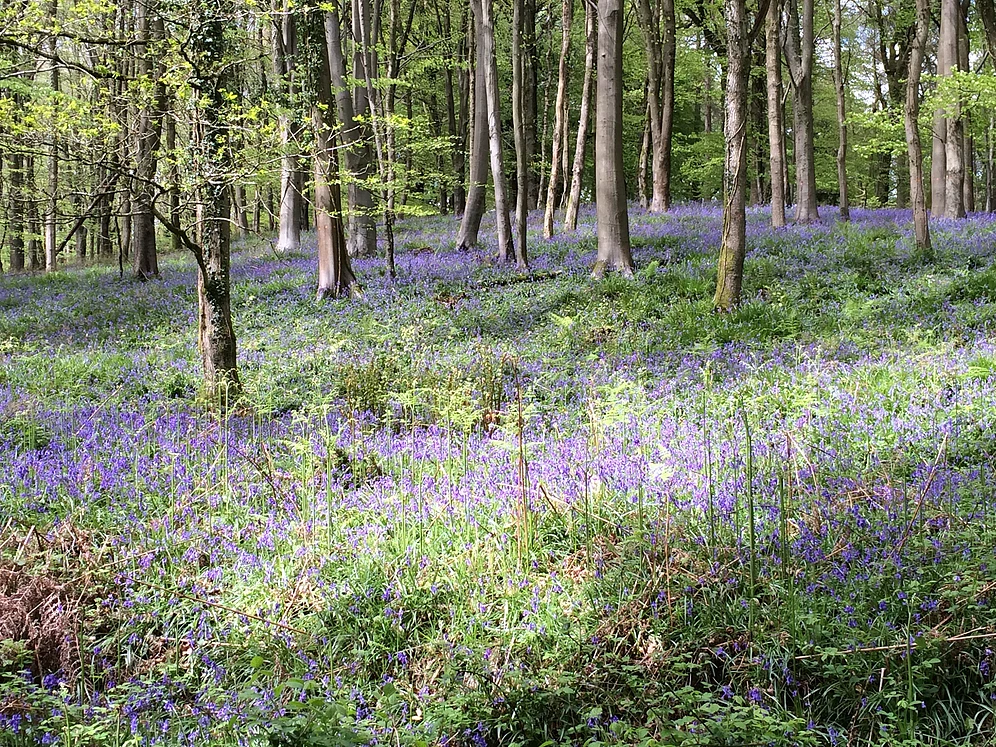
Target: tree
{"points": [[799, 50], [479, 150], [733, 243], [506, 250], [577, 172], [911, 117], [776, 120], [838, 84], [148, 132], [610, 179], [335, 275], [285, 71], [559, 119], [660, 46]]}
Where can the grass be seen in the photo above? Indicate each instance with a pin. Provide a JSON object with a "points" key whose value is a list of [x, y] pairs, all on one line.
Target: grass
{"points": [[477, 510]]}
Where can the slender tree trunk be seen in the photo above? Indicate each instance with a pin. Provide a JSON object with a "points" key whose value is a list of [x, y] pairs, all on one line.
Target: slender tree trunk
{"points": [[34, 221], [506, 250], [838, 81], [776, 124], [968, 142], [16, 214], [911, 112], [285, 71], [641, 176], [52, 206], [216, 335], [990, 181], [577, 171], [476, 192], [335, 275], [733, 244], [522, 164], [361, 234], [954, 170], [610, 179], [560, 120], [657, 16], [800, 50], [148, 132]]}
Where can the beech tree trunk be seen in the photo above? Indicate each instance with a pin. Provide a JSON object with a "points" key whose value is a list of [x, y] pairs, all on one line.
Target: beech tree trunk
{"points": [[216, 335], [335, 275], [519, 125], [285, 71], [657, 23], [560, 119], [470, 224], [610, 179], [577, 170], [16, 214], [733, 243], [838, 81], [799, 55], [776, 123], [506, 250], [954, 169], [361, 234], [911, 114], [52, 205], [148, 132]]}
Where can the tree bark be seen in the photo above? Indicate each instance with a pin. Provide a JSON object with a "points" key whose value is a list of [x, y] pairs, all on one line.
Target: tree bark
{"points": [[507, 252], [216, 335], [52, 206], [560, 119], [838, 81], [361, 233], [16, 214], [577, 170], [285, 70], [148, 132], [954, 170], [470, 224], [522, 164], [776, 124], [656, 17], [610, 180], [733, 246], [335, 275], [911, 112], [799, 55]]}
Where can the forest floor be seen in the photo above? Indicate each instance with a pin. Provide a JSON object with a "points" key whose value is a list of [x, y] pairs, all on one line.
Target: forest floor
{"points": [[474, 510]]}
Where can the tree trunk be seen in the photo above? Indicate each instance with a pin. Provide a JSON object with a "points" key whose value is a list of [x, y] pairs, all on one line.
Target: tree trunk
{"points": [[148, 132], [16, 214], [799, 55], [470, 224], [52, 207], [335, 275], [506, 250], [838, 81], [954, 169], [776, 124], [653, 15], [560, 119], [577, 171], [610, 179], [361, 233], [285, 70], [733, 243], [641, 176], [216, 335], [968, 141], [911, 112], [519, 125]]}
